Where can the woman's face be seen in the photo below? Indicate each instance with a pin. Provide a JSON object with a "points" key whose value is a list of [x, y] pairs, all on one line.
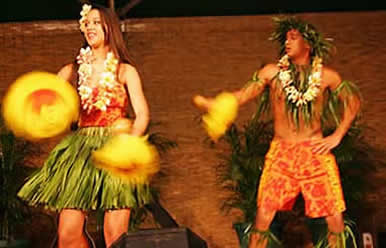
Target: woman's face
{"points": [[94, 34]]}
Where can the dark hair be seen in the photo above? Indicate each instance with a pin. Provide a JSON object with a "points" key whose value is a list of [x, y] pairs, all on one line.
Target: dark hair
{"points": [[113, 37], [113, 34], [320, 46]]}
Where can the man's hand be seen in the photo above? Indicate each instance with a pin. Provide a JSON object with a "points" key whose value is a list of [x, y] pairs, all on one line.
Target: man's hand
{"points": [[324, 145], [202, 102]]}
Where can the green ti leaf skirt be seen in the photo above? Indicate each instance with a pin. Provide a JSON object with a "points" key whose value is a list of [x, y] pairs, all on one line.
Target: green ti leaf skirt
{"points": [[69, 179]]}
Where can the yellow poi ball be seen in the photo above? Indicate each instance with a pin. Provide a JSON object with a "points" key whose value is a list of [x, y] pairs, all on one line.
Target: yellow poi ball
{"points": [[130, 157], [220, 115], [40, 105], [224, 107], [213, 127]]}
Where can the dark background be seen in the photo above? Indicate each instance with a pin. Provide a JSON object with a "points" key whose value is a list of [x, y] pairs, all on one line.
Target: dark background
{"points": [[30, 10]]}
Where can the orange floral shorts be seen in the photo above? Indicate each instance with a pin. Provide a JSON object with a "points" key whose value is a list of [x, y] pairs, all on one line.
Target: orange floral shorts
{"points": [[292, 168]]}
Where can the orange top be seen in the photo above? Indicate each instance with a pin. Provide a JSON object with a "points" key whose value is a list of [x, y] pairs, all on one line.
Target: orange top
{"points": [[115, 109]]}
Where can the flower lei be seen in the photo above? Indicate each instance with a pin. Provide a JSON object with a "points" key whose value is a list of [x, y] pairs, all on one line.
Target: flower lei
{"points": [[82, 22], [293, 95], [96, 97]]}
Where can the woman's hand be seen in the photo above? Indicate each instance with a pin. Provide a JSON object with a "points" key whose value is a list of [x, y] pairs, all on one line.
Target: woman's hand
{"points": [[122, 125]]}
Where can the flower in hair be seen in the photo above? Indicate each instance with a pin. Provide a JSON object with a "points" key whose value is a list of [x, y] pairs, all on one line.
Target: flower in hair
{"points": [[86, 8]]}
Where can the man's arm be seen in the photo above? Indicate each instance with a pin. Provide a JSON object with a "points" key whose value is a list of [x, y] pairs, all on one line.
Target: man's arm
{"points": [[351, 108], [257, 84], [252, 89]]}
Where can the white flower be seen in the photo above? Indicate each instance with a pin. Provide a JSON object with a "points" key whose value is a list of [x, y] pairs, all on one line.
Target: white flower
{"points": [[317, 74], [285, 76], [85, 51], [85, 10], [290, 89], [284, 61], [314, 81], [107, 101], [111, 63], [109, 57], [300, 102], [316, 61], [286, 84], [308, 96], [107, 78], [85, 69], [293, 96], [84, 56], [84, 90], [102, 96]]}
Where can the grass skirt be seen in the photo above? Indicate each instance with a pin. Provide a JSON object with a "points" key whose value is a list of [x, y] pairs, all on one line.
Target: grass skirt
{"points": [[68, 178]]}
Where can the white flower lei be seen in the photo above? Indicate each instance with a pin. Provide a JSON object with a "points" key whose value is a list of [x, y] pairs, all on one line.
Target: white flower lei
{"points": [[96, 97], [314, 81]]}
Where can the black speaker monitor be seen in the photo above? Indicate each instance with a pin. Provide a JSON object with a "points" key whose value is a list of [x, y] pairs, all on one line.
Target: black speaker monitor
{"points": [[160, 238]]}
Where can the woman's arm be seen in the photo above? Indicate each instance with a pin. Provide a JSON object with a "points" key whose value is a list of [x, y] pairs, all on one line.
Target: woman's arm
{"points": [[129, 76]]}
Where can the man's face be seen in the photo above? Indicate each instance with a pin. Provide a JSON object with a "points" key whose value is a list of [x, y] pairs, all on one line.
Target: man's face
{"points": [[94, 34], [295, 44]]}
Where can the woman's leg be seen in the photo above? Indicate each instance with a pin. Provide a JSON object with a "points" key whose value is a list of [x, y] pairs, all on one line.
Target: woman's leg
{"points": [[116, 223], [70, 229]]}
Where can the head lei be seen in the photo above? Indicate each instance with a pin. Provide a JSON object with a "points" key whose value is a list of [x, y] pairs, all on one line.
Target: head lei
{"points": [[82, 22], [320, 46]]}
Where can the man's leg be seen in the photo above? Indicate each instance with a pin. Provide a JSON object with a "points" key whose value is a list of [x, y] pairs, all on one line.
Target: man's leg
{"points": [[263, 221], [335, 226], [277, 190]]}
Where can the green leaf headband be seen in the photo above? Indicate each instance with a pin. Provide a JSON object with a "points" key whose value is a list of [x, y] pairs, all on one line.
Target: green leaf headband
{"points": [[321, 47]]}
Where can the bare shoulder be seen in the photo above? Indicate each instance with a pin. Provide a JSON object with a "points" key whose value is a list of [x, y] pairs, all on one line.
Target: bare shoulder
{"points": [[66, 72], [268, 72], [331, 77], [270, 68], [127, 73]]}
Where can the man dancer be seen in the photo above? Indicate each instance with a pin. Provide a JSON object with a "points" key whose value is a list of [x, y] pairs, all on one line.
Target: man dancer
{"points": [[299, 159]]}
